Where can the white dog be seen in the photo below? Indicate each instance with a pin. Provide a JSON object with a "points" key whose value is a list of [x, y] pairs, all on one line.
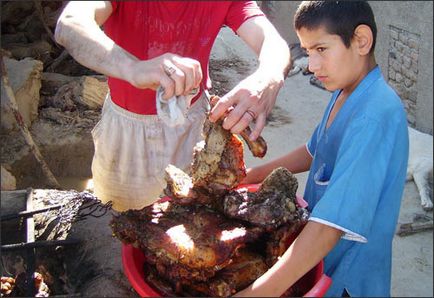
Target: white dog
{"points": [[420, 164]]}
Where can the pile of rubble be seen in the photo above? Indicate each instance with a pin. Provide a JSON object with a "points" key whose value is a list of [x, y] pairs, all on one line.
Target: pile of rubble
{"points": [[58, 99]]}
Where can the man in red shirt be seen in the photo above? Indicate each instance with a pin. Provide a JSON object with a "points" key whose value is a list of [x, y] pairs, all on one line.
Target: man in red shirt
{"points": [[148, 44]]}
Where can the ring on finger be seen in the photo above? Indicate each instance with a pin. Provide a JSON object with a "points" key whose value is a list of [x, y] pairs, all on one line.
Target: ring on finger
{"points": [[251, 113], [169, 70]]}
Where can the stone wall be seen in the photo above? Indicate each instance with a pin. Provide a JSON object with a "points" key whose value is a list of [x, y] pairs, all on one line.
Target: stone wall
{"points": [[403, 68], [405, 31], [403, 50]]}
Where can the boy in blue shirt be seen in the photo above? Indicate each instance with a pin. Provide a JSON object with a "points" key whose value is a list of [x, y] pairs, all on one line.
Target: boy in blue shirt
{"points": [[357, 158]]}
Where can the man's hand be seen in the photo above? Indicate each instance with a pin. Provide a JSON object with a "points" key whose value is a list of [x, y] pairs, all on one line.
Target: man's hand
{"points": [[252, 99], [177, 75]]}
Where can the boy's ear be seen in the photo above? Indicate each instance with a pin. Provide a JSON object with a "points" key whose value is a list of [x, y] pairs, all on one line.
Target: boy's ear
{"points": [[363, 39]]}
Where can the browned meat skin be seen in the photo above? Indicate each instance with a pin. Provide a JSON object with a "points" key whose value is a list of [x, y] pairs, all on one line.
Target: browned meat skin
{"points": [[271, 206], [208, 154], [257, 147], [217, 167], [280, 180], [229, 172], [179, 185], [194, 237], [153, 279], [246, 267]]}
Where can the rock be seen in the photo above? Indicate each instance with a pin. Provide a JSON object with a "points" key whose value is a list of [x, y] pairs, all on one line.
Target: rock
{"points": [[19, 37], [13, 12], [39, 49], [314, 81], [8, 181], [25, 80], [302, 63]]}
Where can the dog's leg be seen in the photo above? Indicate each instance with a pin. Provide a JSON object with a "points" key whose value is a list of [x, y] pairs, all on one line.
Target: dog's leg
{"points": [[421, 176], [409, 176]]}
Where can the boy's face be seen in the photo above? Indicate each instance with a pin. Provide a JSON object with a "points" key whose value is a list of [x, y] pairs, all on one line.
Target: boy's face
{"points": [[335, 65]]}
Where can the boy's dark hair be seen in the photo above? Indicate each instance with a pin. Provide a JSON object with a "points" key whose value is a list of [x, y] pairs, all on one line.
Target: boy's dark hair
{"points": [[338, 17]]}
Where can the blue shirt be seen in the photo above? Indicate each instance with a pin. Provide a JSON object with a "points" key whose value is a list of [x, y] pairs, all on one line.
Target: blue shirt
{"points": [[356, 182]]}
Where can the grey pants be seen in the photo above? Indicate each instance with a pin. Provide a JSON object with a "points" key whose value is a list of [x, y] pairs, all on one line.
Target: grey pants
{"points": [[132, 151]]}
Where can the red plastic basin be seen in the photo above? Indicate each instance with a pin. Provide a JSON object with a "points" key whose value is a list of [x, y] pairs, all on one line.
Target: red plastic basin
{"points": [[314, 283]]}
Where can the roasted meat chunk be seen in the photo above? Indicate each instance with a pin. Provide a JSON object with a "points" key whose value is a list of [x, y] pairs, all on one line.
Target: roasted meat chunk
{"points": [[218, 162], [189, 242], [217, 166], [271, 206], [258, 147], [245, 268]]}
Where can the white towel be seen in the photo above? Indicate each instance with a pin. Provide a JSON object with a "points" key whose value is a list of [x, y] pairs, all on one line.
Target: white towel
{"points": [[174, 110]]}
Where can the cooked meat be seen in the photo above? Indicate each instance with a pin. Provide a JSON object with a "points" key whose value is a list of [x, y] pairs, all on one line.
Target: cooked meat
{"points": [[258, 147], [209, 238], [193, 237], [217, 167], [179, 185], [218, 161], [245, 268], [271, 206]]}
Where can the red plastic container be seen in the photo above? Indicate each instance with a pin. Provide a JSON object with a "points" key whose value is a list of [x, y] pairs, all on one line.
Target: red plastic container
{"points": [[314, 283]]}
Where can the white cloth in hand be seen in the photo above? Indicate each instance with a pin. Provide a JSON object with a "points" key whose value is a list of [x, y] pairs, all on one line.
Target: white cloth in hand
{"points": [[174, 110]]}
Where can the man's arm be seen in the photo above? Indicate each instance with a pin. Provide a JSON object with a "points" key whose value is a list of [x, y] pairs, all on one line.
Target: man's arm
{"points": [[308, 249], [78, 30], [258, 91]]}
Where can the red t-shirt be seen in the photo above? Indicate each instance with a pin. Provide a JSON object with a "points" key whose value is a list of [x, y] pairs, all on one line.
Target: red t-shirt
{"points": [[148, 29]]}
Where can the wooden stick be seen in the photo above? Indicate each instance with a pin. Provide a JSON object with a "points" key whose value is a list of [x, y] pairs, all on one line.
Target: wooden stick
{"points": [[36, 244], [57, 61], [12, 104], [418, 225]]}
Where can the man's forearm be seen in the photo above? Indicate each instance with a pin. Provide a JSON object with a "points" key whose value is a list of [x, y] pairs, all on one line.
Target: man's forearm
{"points": [[91, 47], [274, 54], [271, 49]]}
